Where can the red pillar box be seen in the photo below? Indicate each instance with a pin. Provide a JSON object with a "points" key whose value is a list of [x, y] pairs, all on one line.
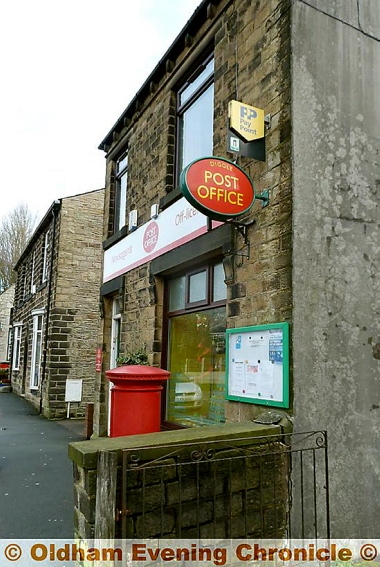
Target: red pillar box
{"points": [[136, 399]]}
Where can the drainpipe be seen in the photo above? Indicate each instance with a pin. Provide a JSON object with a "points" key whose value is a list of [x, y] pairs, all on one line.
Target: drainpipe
{"points": [[55, 210]]}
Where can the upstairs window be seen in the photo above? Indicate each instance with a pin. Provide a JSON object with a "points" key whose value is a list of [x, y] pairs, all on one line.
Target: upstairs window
{"points": [[45, 256], [195, 115], [121, 191], [32, 267]]}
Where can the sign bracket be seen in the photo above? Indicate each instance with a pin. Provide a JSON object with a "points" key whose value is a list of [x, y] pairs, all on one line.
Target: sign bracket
{"points": [[264, 198], [242, 227]]}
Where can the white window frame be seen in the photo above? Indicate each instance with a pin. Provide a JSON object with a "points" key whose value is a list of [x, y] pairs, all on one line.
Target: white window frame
{"points": [[32, 284], [45, 259], [17, 334], [24, 282], [36, 355], [121, 191]]}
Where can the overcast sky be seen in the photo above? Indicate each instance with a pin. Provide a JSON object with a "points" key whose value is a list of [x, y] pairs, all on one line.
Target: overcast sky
{"points": [[68, 70]]}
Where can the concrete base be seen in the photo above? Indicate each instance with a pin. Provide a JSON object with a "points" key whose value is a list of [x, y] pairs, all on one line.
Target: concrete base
{"points": [[5, 389]]}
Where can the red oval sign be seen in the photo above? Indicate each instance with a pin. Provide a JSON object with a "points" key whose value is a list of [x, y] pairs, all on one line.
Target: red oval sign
{"points": [[217, 187]]}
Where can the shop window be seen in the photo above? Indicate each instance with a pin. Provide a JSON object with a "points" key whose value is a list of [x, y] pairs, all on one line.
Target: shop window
{"points": [[196, 347], [35, 371], [195, 112], [17, 330], [121, 191]]}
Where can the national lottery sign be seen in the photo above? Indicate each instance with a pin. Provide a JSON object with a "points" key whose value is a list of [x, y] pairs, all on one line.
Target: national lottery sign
{"points": [[217, 188]]}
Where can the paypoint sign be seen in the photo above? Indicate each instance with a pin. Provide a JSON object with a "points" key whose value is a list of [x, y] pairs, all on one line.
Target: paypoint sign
{"points": [[247, 121], [217, 188]]}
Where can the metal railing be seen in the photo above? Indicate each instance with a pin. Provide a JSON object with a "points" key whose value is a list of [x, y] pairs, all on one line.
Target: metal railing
{"points": [[268, 487]]}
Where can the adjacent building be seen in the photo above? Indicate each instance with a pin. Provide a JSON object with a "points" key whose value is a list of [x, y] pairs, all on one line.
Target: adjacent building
{"points": [[56, 307], [6, 305]]}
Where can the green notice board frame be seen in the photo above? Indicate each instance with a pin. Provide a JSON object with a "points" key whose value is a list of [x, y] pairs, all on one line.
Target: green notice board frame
{"points": [[257, 364]]}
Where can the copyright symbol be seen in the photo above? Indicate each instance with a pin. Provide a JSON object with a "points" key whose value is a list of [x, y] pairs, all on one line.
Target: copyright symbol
{"points": [[13, 552], [368, 552]]}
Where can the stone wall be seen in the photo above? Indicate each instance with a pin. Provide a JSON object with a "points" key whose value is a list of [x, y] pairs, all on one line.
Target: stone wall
{"points": [[74, 317], [69, 300], [254, 42], [6, 304], [222, 495], [336, 325], [25, 302]]}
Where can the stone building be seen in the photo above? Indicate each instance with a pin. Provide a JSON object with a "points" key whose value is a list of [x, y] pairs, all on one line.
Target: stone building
{"points": [[6, 305], [56, 306], [173, 282]]}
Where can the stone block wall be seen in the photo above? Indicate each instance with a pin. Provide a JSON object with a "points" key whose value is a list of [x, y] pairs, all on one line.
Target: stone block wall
{"points": [[68, 298], [30, 270], [252, 50], [226, 495], [230, 495], [74, 317]]}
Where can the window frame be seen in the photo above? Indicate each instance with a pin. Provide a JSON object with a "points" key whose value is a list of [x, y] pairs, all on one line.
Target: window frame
{"points": [[181, 109], [45, 261], [16, 355], [32, 274], [37, 314], [120, 192], [189, 308]]}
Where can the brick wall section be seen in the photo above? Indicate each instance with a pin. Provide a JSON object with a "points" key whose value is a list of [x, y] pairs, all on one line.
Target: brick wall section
{"points": [[255, 36], [256, 493], [75, 314]]}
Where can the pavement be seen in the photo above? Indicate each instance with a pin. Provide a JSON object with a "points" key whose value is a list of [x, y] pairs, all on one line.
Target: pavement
{"points": [[36, 475]]}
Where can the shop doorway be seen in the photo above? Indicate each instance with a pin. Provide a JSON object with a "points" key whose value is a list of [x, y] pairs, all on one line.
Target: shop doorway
{"points": [[115, 348]]}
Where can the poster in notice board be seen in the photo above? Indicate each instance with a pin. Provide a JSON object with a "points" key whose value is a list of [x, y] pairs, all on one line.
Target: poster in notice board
{"points": [[258, 365]]}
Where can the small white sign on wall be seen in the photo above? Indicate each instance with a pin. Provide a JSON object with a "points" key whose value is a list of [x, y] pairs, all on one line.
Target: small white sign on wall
{"points": [[73, 391]]}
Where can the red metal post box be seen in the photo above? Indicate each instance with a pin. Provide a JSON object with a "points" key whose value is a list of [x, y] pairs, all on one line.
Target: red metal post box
{"points": [[136, 399]]}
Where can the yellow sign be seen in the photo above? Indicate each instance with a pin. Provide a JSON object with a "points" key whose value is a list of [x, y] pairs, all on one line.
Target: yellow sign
{"points": [[246, 121]]}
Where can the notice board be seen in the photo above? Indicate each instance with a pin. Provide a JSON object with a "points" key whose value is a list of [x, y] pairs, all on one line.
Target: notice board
{"points": [[257, 369]]}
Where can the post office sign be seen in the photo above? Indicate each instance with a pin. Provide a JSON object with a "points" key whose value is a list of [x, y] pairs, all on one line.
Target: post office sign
{"points": [[217, 187]]}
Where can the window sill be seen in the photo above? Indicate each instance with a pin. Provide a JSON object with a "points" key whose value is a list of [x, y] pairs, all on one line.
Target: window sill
{"points": [[115, 238], [170, 198]]}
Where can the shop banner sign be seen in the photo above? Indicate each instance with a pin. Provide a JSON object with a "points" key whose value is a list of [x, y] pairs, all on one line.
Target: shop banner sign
{"points": [[175, 226], [217, 188]]}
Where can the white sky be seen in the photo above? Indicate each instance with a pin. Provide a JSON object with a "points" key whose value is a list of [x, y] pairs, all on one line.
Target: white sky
{"points": [[69, 68]]}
